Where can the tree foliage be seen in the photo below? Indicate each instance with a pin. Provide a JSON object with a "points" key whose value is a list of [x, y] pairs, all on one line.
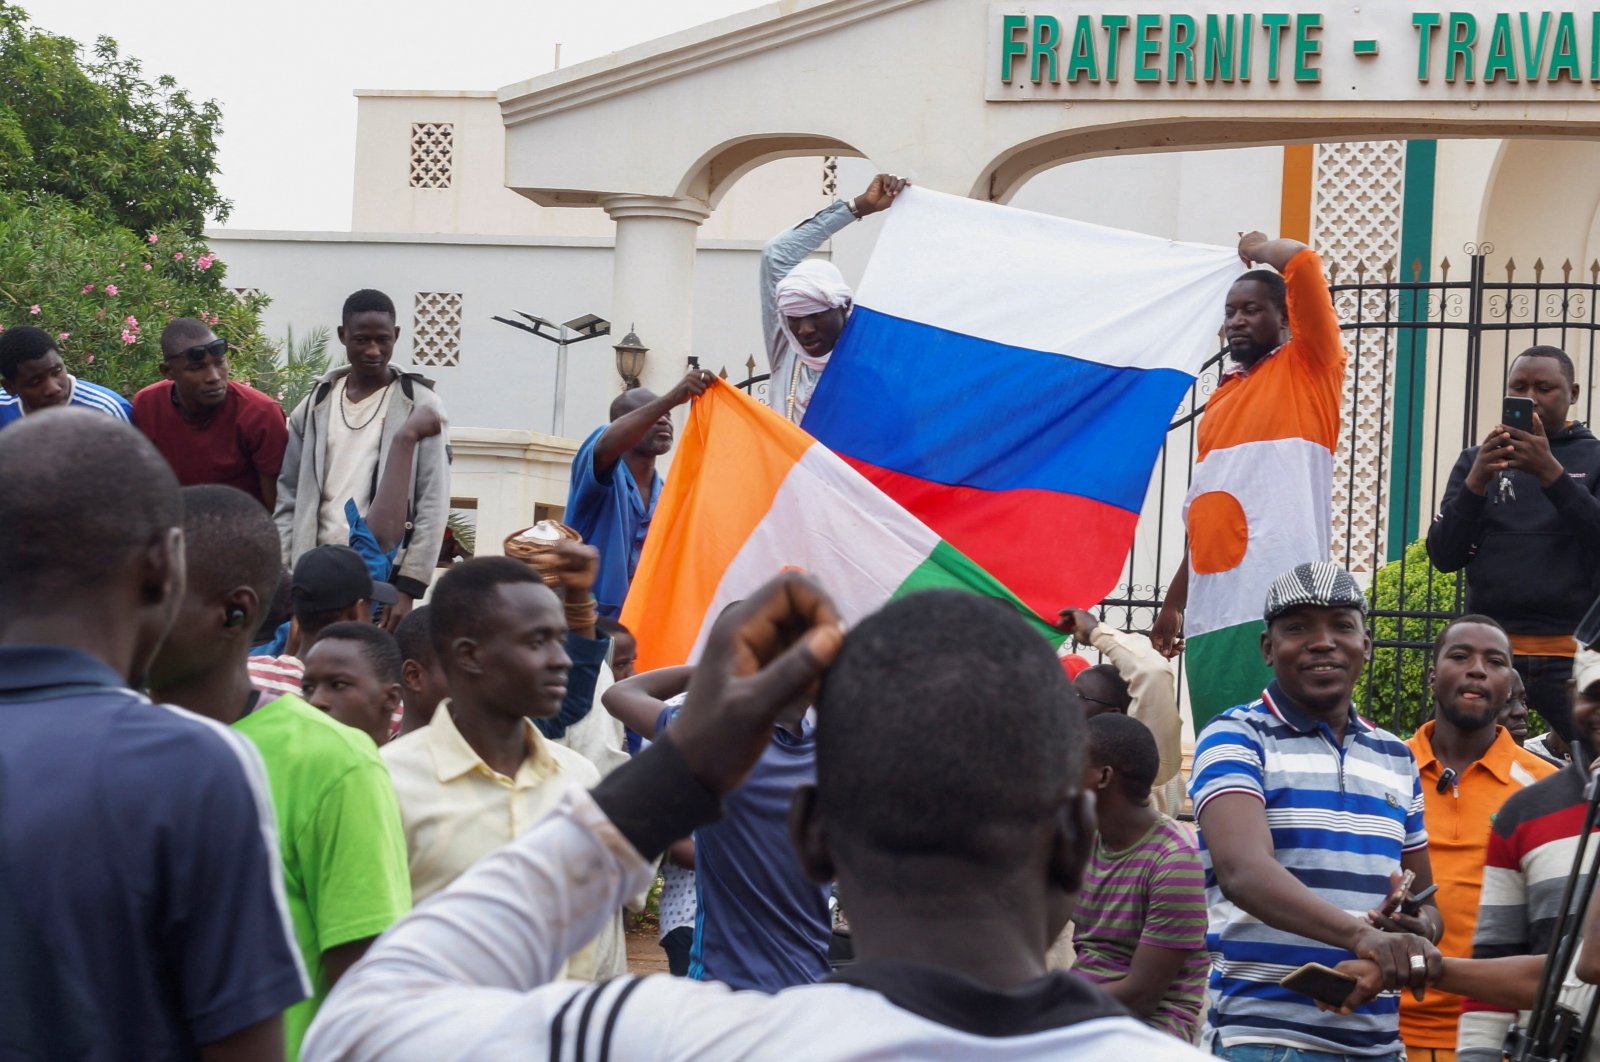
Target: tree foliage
{"points": [[92, 130], [106, 182]]}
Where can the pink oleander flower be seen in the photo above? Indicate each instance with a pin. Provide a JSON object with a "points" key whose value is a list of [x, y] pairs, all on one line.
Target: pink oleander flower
{"points": [[280, 396], [88, 289], [153, 238], [132, 322], [91, 359], [128, 337], [204, 261], [178, 257], [64, 336], [147, 267], [111, 289], [34, 309]]}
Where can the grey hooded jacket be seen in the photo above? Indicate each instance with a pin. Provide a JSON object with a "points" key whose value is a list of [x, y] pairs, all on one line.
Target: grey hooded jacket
{"points": [[300, 482]]}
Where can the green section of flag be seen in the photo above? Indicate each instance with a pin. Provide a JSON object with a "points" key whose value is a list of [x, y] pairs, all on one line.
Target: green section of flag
{"points": [[1225, 669], [948, 568]]}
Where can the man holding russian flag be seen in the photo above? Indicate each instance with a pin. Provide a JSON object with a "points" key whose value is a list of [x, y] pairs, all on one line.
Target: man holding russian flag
{"points": [[806, 302], [1261, 498]]}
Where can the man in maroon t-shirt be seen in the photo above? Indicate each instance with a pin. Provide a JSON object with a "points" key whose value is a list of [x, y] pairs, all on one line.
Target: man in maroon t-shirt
{"points": [[209, 428]]}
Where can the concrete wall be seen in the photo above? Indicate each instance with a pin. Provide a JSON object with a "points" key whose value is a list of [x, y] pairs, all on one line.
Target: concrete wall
{"points": [[479, 203], [505, 378], [504, 480]]}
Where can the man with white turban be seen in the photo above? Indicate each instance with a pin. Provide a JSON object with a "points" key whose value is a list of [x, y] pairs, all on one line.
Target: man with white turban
{"points": [[804, 303]]}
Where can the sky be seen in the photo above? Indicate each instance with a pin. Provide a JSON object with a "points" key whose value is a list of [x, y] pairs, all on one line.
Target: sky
{"points": [[284, 72]]}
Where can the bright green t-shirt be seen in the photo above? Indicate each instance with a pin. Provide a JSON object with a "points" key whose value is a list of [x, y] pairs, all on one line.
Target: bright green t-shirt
{"points": [[339, 835]]}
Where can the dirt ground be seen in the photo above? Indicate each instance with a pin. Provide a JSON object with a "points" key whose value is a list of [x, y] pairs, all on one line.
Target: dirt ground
{"points": [[644, 952]]}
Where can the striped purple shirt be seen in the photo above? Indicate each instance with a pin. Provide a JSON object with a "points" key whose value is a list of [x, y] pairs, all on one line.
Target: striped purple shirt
{"points": [[1151, 893]]}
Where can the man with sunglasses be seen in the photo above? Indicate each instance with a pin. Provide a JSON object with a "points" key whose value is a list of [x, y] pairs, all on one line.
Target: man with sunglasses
{"points": [[209, 428]]}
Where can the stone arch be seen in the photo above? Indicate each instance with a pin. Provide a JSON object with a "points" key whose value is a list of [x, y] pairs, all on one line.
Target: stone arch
{"points": [[999, 180], [720, 168], [1529, 175]]}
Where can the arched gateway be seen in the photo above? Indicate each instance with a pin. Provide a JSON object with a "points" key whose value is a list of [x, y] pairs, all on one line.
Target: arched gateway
{"points": [[976, 98]]}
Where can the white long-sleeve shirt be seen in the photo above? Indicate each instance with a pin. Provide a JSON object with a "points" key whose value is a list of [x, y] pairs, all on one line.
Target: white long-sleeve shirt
{"points": [[778, 258], [1152, 692], [468, 975]]}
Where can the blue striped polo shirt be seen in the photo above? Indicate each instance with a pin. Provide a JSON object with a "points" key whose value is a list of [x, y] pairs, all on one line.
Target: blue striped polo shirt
{"points": [[1340, 816], [85, 393]]}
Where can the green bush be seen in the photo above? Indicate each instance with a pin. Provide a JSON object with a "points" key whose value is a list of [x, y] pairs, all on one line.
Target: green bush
{"points": [[1393, 691], [106, 293]]}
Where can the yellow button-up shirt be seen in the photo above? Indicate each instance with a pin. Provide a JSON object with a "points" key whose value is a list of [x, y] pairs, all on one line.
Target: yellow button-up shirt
{"points": [[456, 809]]}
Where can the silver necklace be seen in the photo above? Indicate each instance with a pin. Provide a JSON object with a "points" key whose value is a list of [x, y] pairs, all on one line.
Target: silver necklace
{"points": [[344, 394]]}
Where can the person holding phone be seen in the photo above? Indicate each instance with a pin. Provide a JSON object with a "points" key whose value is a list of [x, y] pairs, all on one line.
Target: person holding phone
{"points": [[1520, 516]]}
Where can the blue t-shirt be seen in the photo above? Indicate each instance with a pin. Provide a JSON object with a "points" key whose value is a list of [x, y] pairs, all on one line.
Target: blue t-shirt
{"points": [[608, 512], [139, 875], [761, 922], [84, 393]]}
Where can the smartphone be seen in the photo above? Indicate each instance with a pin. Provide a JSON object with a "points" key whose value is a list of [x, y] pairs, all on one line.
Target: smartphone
{"points": [[1517, 413], [1398, 896], [1321, 983], [1412, 905]]}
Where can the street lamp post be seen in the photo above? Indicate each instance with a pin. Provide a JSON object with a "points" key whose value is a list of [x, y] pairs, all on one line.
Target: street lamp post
{"points": [[563, 336], [630, 359]]}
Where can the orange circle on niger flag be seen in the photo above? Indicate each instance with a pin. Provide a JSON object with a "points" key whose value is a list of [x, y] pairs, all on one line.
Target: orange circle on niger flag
{"points": [[1218, 533]]}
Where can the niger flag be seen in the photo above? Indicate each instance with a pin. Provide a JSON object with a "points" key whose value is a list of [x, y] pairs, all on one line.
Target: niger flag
{"points": [[750, 495], [1261, 498]]}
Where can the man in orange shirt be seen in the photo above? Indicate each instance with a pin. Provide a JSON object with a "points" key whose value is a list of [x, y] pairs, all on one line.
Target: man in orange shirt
{"points": [[1469, 766], [1260, 501]]}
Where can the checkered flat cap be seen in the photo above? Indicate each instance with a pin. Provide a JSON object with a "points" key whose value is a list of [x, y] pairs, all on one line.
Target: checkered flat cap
{"points": [[1320, 583]]}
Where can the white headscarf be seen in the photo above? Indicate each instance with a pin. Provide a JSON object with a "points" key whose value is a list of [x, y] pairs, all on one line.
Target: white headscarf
{"points": [[811, 287]]}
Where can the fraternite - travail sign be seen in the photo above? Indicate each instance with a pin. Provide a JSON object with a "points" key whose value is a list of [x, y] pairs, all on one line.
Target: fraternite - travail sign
{"points": [[1375, 50]]}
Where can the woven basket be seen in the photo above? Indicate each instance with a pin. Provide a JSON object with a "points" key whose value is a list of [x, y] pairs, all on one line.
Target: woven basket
{"points": [[533, 544]]}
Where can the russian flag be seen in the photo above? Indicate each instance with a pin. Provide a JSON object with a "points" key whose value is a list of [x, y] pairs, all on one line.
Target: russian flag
{"points": [[1008, 378]]}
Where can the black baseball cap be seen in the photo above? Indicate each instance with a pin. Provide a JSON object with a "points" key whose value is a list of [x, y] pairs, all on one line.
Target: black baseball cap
{"points": [[332, 577]]}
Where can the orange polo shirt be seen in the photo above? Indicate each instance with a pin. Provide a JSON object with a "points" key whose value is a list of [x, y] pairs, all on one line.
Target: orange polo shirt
{"points": [[1458, 836]]}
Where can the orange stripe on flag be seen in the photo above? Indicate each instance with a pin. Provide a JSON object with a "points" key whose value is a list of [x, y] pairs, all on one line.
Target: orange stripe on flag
{"points": [[734, 455]]}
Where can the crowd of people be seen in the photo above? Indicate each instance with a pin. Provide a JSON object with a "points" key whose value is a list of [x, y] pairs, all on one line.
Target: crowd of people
{"points": [[268, 790]]}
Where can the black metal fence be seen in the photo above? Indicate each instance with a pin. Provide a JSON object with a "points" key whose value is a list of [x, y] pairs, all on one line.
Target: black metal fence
{"points": [[1428, 365]]}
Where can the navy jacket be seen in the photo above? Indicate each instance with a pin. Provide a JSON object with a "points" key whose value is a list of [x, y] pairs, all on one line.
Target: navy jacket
{"points": [[1533, 561]]}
